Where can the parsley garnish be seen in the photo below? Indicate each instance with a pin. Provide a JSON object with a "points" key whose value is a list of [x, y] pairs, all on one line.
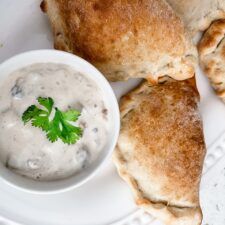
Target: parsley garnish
{"points": [[59, 127]]}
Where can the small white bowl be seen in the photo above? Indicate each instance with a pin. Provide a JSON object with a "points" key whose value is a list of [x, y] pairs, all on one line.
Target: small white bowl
{"points": [[79, 64]]}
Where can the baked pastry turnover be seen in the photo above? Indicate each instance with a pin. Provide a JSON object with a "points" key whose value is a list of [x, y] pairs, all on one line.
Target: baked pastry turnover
{"points": [[161, 148], [212, 56], [124, 39]]}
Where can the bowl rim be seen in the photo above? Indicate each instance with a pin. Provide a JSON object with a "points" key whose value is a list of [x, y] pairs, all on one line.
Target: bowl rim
{"points": [[115, 124]]}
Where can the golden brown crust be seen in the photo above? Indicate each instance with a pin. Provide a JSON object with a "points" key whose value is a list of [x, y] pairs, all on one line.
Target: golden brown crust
{"points": [[212, 56], [43, 6], [161, 148], [124, 38]]}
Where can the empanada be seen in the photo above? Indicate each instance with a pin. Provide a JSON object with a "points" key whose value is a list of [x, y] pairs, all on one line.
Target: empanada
{"points": [[212, 56], [124, 39], [161, 148]]}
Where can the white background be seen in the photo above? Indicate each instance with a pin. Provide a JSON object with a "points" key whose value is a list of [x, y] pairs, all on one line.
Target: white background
{"points": [[105, 199]]}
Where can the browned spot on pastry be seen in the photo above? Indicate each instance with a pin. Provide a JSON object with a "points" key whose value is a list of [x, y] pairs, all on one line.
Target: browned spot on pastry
{"points": [[43, 6], [151, 80], [142, 201]]}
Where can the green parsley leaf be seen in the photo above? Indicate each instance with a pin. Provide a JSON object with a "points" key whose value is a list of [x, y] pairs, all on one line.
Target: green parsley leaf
{"points": [[71, 115], [47, 103], [30, 113], [59, 127]]}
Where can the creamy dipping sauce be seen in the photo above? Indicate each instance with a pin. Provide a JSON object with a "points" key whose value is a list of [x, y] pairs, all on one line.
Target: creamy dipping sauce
{"points": [[24, 148]]}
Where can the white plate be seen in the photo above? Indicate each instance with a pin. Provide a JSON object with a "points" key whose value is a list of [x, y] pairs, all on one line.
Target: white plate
{"points": [[106, 199]]}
